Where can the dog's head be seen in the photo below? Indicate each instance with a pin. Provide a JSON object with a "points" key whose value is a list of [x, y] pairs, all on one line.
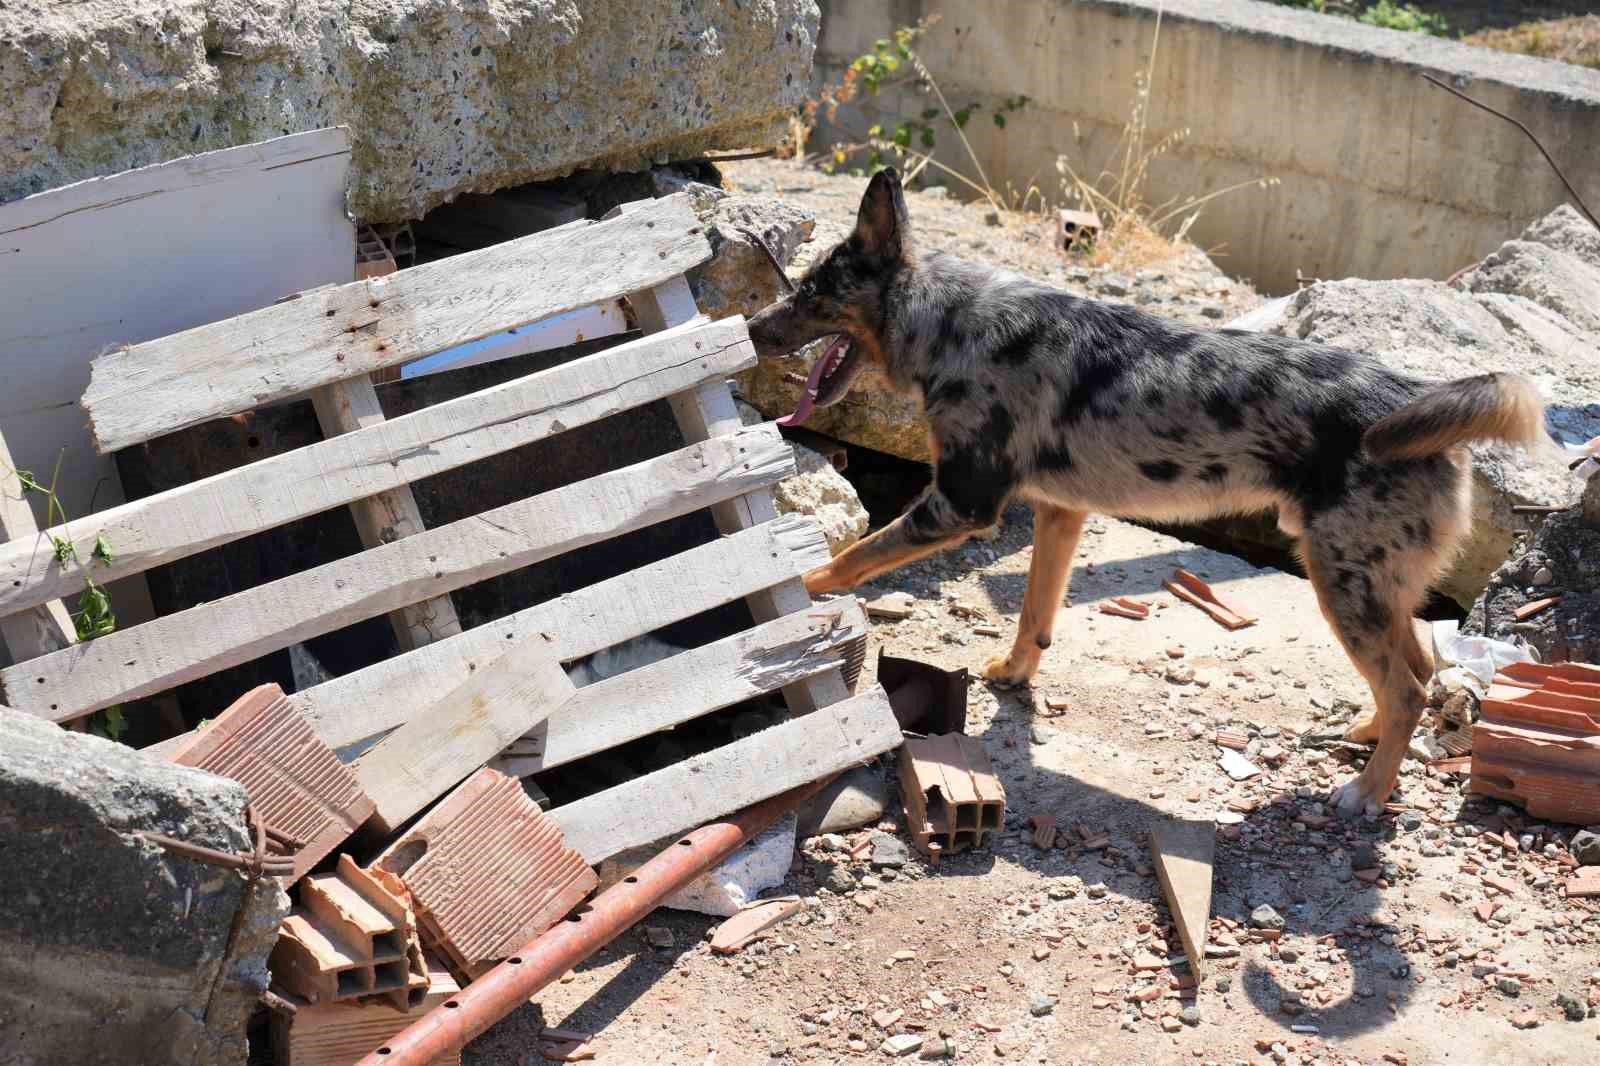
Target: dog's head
{"points": [[843, 296]]}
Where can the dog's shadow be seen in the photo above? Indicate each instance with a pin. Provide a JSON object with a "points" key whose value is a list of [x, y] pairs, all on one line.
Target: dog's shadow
{"points": [[1305, 874]]}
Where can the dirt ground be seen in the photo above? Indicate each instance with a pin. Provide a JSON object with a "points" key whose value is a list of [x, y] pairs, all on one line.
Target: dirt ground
{"points": [[1023, 955]]}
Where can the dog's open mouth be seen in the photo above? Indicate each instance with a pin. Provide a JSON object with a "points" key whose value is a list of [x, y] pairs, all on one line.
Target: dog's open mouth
{"points": [[828, 380]]}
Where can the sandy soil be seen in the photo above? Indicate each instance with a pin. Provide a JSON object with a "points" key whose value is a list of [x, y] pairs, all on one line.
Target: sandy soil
{"points": [[1401, 967]]}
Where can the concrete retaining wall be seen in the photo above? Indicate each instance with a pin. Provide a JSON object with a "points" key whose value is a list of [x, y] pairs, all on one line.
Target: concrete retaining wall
{"points": [[1383, 175]]}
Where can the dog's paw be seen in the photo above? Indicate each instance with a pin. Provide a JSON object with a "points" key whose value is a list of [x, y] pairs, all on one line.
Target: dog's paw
{"points": [[1352, 800], [1004, 671], [1364, 730]]}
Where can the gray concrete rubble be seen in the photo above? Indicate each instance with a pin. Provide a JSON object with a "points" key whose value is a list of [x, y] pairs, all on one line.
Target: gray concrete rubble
{"points": [[1561, 559], [739, 279], [111, 949], [440, 98], [1532, 307]]}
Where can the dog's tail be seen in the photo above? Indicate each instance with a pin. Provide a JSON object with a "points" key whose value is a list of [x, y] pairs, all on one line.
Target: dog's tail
{"points": [[1503, 407]]}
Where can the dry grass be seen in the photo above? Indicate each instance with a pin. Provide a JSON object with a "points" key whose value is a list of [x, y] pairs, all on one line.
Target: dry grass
{"points": [[1570, 40]]}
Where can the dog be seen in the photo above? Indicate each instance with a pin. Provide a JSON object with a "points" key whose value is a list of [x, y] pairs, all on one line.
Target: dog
{"points": [[1079, 406]]}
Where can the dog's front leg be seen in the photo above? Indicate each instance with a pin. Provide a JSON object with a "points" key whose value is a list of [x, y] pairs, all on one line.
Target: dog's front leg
{"points": [[932, 523], [1055, 541]]}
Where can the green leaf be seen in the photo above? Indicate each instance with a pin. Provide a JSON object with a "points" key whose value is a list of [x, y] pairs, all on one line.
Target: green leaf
{"points": [[102, 551], [64, 551], [962, 116], [927, 137], [904, 52], [1000, 120], [890, 63], [929, 113], [902, 134], [29, 482]]}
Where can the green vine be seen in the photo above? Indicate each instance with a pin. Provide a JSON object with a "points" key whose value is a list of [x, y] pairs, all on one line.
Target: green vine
{"points": [[94, 616]]}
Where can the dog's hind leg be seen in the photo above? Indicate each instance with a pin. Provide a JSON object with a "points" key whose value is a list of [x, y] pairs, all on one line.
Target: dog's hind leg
{"points": [[1055, 541]]}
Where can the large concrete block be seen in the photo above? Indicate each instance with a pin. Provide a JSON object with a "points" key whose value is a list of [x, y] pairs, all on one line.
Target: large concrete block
{"points": [[441, 98], [112, 950]]}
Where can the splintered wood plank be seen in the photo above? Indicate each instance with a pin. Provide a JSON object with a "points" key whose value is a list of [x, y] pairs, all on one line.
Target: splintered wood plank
{"points": [[44, 627], [707, 410], [364, 703], [1183, 853], [426, 757], [705, 787], [391, 515], [225, 507], [334, 334], [246, 625], [679, 689]]}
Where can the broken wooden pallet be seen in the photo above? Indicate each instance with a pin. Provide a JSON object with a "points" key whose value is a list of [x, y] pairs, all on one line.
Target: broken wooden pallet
{"points": [[334, 338]]}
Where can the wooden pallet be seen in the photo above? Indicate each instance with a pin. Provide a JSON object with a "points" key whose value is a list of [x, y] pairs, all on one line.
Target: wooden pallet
{"points": [[327, 342]]}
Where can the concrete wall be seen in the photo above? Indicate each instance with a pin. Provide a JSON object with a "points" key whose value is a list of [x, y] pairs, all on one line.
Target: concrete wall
{"points": [[1383, 175]]}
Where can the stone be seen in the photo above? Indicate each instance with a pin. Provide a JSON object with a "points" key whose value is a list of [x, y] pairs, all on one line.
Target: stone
{"points": [[1264, 917], [1180, 673], [1190, 1015], [1237, 766], [1573, 1006], [739, 279], [855, 798], [1508, 986], [1042, 1004], [1529, 307], [889, 850], [1585, 846], [817, 489], [441, 99], [109, 945], [659, 936], [902, 1044], [725, 889]]}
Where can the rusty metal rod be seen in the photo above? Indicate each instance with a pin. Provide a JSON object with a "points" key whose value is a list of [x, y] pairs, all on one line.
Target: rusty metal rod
{"points": [[469, 1013]]}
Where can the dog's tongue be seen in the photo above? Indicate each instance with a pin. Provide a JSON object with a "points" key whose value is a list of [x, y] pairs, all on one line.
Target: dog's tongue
{"points": [[808, 398]]}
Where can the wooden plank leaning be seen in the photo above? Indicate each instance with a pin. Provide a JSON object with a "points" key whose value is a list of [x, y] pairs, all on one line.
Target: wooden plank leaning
{"points": [[335, 334], [225, 507], [235, 629]]}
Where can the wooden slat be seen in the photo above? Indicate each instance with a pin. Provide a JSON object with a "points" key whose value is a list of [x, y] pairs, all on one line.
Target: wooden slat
{"points": [[781, 652], [426, 757], [705, 787], [349, 710], [707, 411], [391, 515], [236, 629], [191, 518], [45, 627], [331, 335]]}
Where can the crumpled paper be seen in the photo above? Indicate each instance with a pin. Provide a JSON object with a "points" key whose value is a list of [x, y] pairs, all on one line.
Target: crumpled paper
{"points": [[1471, 662]]}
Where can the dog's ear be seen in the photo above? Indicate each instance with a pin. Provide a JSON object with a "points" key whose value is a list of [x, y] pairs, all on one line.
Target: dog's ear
{"points": [[883, 228]]}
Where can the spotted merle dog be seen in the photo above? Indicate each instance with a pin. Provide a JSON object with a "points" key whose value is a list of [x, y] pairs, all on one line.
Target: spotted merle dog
{"points": [[1076, 406]]}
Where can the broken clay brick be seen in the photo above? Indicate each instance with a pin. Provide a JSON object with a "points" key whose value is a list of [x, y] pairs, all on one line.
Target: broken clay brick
{"points": [[1044, 830], [337, 1034], [488, 872], [1189, 588], [953, 799], [349, 938], [1537, 741], [297, 784]]}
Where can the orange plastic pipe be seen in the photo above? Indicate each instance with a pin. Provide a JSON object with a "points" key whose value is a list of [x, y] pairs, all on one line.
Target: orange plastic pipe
{"points": [[466, 1015]]}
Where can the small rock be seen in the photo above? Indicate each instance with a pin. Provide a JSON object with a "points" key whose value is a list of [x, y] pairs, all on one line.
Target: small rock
{"points": [[1543, 576], [889, 850], [1264, 917], [902, 1044], [1289, 955], [1223, 983], [1170, 1024], [939, 1047], [1410, 820], [1572, 1006], [659, 936], [1528, 1019], [1096, 891], [1585, 847], [1508, 986], [1237, 766], [1041, 1005], [1180, 673], [1190, 1016]]}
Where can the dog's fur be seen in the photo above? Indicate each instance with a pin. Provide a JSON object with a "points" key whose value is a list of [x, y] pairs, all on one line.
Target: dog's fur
{"points": [[1080, 406]]}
